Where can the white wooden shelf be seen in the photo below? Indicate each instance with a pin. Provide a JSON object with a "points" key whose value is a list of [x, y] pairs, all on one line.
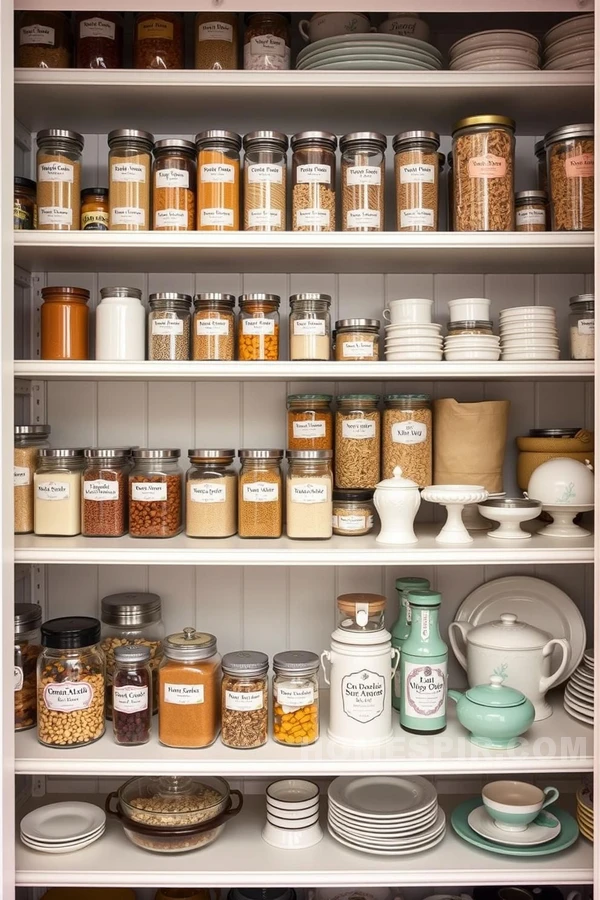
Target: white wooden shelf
{"points": [[469, 6], [152, 251]]}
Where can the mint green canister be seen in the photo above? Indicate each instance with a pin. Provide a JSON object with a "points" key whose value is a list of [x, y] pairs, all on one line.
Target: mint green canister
{"points": [[424, 667], [495, 715], [401, 627]]}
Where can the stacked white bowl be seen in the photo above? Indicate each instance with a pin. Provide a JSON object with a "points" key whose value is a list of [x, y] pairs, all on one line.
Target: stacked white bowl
{"points": [[411, 336], [292, 814], [470, 331], [570, 45], [498, 50], [529, 332]]}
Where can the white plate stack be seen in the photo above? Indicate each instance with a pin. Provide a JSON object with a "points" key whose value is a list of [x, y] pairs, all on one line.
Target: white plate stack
{"points": [[414, 343], [370, 51], [529, 332], [499, 50], [579, 692], [292, 814], [570, 45], [385, 815], [63, 827]]}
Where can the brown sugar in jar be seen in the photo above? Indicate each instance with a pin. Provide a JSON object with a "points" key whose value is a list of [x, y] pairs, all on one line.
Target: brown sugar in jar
{"points": [[155, 494], [174, 183], [64, 323], [158, 41]]}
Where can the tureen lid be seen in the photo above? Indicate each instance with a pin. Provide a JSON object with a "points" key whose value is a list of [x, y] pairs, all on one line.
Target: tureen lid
{"points": [[508, 633], [495, 694], [397, 481]]}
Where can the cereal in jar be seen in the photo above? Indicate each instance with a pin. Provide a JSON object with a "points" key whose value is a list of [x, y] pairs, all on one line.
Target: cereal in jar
{"points": [[407, 437], [28, 618]]}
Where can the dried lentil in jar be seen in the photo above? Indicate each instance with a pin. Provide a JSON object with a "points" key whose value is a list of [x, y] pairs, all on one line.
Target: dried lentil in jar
{"points": [[155, 494], [214, 327], [258, 327], [309, 422], [216, 44], [417, 173], [407, 437], [24, 205], [570, 155], [310, 326], [28, 618], [211, 494], [129, 168], [267, 41], [99, 40], [174, 194], [357, 441], [260, 494], [94, 209], [308, 496], [265, 181], [104, 492], [158, 41], [357, 340], [530, 211], [132, 695], [352, 512], [44, 40], [58, 196], [363, 181], [169, 326], [295, 697], [483, 153], [29, 439], [218, 180], [244, 699], [313, 181]]}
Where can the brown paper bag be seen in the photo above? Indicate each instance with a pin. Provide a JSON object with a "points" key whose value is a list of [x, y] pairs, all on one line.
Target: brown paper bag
{"points": [[469, 441]]}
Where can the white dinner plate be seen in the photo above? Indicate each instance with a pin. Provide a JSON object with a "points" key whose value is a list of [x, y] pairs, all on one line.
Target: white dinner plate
{"points": [[586, 709], [371, 65], [480, 821], [60, 822], [61, 848], [579, 695], [54, 843], [382, 796], [391, 40], [583, 41], [393, 843], [589, 720], [363, 50], [385, 828], [371, 850]]}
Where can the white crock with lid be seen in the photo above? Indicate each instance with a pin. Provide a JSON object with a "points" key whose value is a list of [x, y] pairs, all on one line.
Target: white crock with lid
{"points": [[397, 500]]}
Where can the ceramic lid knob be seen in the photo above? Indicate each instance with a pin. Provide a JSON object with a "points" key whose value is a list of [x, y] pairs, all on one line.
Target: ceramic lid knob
{"points": [[397, 481]]}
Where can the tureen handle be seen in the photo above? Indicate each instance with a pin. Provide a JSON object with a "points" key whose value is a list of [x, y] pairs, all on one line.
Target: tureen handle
{"points": [[462, 628], [547, 682]]}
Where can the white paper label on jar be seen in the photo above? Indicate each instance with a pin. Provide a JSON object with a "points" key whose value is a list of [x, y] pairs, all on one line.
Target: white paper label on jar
{"points": [[52, 490], [530, 216], [351, 522], [21, 476], [244, 701], [309, 430], [585, 326], [18, 677], [130, 699], [215, 31], [313, 173], [424, 689], [260, 492], [267, 45], [129, 171], [291, 697], [55, 215], [306, 218], [358, 429], [309, 326], [217, 173], [101, 489], [167, 326], [97, 27], [417, 173], [207, 492], [309, 493], [184, 694], [363, 218], [410, 218], [55, 171], [358, 349], [262, 218], [212, 327], [68, 696], [36, 34], [257, 325], [172, 178], [409, 432], [149, 491], [363, 175], [216, 217], [264, 173], [363, 695], [128, 215]]}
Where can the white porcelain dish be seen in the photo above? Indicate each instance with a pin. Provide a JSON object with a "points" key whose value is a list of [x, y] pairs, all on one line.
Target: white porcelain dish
{"points": [[472, 355], [495, 67], [285, 839], [407, 340], [497, 54], [569, 28], [454, 497], [583, 41], [382, 796], [56, 823], [480, 341], [427, 846], [366, 51], [365, 64], [408, 311], [292, 815], [563, 525], [510, 513], [529, 355], [373, 40], [386, 843], [331, 24], [480, 822], [588, 720], [292, 824], [529, 343], [564, 482], [469, 309], [404, 824], [292, 793], [506, 37], [407, 356], [518, 311], [530, 327], [62, 848], [577, 58], [406, 25]]}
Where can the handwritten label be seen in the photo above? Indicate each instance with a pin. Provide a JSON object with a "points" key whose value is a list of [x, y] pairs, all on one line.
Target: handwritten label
{"points": [[216, 217], [97, 28], [55, 215], [363, 218], [257, 325], [245, 701], [264, 173], [260, 492], [167, 326], [184, 694], [36, 34], [530, 216], [206, 492], [356, 175], [212, 327], [215, 31], [417, 173], [264, 218], [217, 173], [358, 349], [291, 697], [155, 28], [309, 326], [417, 218], [100, 489], [313, 173], [409, 432], [68, 696], [52, 490], [129, 172], [149, 491], [130, 699], [128, 215]]}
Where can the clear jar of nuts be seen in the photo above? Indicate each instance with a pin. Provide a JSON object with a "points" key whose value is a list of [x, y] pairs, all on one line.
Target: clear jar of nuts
{"points": [[417, 171], [483, 154], [258, 327], [357, 441], [363, 181], [28, 618], [265, 181], [244, 699], [214, 327], [530, 210], [357, 340], [407, 437], [155, 494], [313, 181], [570, 161], [169, 326], [296, 698]]}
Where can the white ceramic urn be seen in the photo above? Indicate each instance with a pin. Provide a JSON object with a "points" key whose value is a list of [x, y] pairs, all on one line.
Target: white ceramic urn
{"points": [[519, 653], [397, 501]]}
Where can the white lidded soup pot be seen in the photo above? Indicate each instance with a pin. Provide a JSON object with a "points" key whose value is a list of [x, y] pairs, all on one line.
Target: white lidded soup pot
{"points": [[562, 481]]}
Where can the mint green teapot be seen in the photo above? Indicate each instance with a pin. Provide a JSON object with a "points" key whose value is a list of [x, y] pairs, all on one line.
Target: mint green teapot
{"points": [[494, 714]]}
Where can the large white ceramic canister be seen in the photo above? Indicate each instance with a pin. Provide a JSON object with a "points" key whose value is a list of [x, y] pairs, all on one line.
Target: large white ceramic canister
{"points": [[362, 667], [120, 325]]}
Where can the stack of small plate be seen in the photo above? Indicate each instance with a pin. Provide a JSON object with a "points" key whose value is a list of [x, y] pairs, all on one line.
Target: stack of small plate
{"points": [[292, 814], [466, 344], [414, 342], [579, 692], [585, 812], [63, 827], [529, 332], [369, 51], [385, 815], [496, 51], [570, 45]]}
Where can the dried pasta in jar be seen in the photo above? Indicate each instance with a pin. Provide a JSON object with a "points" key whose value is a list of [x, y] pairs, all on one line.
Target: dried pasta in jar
{"points": [[483, 154], [417, 170], [407, 437], [363, 181], [570, 155], [357, 441], [218, 175], [265, 175]]}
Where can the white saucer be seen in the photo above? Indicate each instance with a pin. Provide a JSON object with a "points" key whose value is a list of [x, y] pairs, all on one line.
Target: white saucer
{"points": [[535, 834], [579, 716], [72, 820], [375, 852], [61, 848]]}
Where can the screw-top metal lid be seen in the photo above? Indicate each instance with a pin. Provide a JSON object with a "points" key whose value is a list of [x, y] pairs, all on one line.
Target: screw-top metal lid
{"points": [[229, 299], [581, 298], [25, 183], [130, 608], [70, 632], [245, 662], [553, 432], [424, 598], [309, 398], [538, 147], [218, 136], [373, 138], [187, 147], [306, 138], [358, 496], [100, 453], [138, 453], [259, 298], [135, 293], [28, 617], [357, 323], [49, 135], [567, 132], [211, 454], [405, 139], [129, 654], [307, 298], [412, 583], [143, 139], [61, 452], [169, 299], [524, 197], [310, 454], [43, 430], [260, 454], [295, 662], [275, 139], [190, 644], [474, 121]]}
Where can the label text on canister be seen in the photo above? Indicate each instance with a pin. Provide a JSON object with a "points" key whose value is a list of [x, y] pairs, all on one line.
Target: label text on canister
{"points": [[309, 430], [212, 327], [167, 326], [313, 173], [358, 429], [172, 178], [97, 27], [260, 492], [215, 31], [101, 489], [68, 696], [417, 173], [363, 175], [149, 491], [217, 173], [358, 349], [52, 490], [36, 34], [309, 493], [244, 701], [581, 166], [424, 689], [205, 492], [131, 172], [487, 166], [409, 432], [291, 697], [55, 171], [363, 695], [130, 699], [184, 694], [21, 476], [309, 326], [258, 325], [264, 173], [17, 678]]}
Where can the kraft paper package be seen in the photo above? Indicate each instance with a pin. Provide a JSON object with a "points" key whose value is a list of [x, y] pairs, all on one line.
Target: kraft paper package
{"points": [[469, 442]]}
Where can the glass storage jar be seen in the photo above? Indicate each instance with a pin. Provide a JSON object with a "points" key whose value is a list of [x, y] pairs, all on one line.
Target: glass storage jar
{"points": [[245, 699], [450, 193], [258, 327], [99, 40], [174, 193], [570, 161], [361, 612], [158, 41], [353, 512], [132, 617], [44, 40], [309, 422], [265, 181], [581, 326], [28, 618], [363, 181], [64, 323], [470, 326], [542, 170], [417, 172], [309, 499], [58, 191], [214, 327], [218, 174], [169, 325], [129, 179], [530, 211], [483, 153], [357, 340], [24, 207], [267, 41], [132, 696], [313, 181], [155, 489], [189, 676], [57, 492], [260, 494], [357, 441], [216, 40], [295, 697], [104, 492], [94, 209], [29, 439], [70, 683], [211, 494], [310, 326], [407, 437], [120, 324]]}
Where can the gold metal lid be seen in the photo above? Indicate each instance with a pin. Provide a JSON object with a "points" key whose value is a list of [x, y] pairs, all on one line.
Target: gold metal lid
{"points": [[470, 121]]}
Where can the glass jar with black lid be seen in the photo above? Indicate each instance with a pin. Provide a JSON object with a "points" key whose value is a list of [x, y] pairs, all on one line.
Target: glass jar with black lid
{"points": [[24, 208]]}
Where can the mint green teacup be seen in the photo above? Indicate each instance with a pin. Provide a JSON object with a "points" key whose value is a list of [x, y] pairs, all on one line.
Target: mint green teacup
{"points": [[513, 805]]}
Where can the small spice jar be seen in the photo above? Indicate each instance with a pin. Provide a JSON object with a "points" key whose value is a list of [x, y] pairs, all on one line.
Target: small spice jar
{"points": [[214, 327], [24, 208], [120, 324], [29, 439], [470, 326], [357, 441], [260, 494], [57, 492], [189, 676], [357, 340], [417, 180], [94, 209], [265, 181], [70, 683], [174, 194], [104, 492], [64, 323], [44, 40], [129, 172], [309, 494], [155, 494], [169, 326], [581, 326], [28, 618], [352, 512], [570, 162], [309, 422], [132, 695], [218, 175], [245, 699], [267, 41], [295, 697], [530, 211], [310, 326], [158, 41], [58, 194], [363, 181], [313, 181], [258, 327], [407, 437], [216, 40], [211, 494], [99, 40]]}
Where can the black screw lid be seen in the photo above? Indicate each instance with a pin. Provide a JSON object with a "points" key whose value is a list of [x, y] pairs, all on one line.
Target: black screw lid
{"points": [[70, 632]]}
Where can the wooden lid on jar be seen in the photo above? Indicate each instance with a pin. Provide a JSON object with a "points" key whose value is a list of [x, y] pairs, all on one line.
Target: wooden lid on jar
{"points": [[347, 603]]}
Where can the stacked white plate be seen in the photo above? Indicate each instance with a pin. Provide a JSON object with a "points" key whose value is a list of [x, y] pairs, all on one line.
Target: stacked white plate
{"points": [[63, 827], [369, 51], [414, 342], [579, 692], [570, 45], [495, 51], [529, 332], [476, 347], [387, 815]]}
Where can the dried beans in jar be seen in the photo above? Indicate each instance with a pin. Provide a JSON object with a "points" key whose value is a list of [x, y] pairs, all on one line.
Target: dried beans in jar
{"points": [[309, 422], [169, 322], [104, 493], [570, 155], [214, 326], [363, 181], [132, 695], [99, 40], [357, 441], [265, 179], [244, 699], [155, 494], [216, 40], [313, 181], [407, 437], [158, 41], [174, 194], [483, 153], [417, 172]]}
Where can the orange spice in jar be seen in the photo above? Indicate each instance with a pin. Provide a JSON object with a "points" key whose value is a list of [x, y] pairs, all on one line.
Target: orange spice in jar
{"points": [[218, 176], [64, 323], [310, 422], [94, 209], [258, 327]]}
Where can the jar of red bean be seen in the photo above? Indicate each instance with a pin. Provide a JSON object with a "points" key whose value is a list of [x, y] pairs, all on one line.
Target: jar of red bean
{"points": [[155, 492], [132, 695], [104, 492]]}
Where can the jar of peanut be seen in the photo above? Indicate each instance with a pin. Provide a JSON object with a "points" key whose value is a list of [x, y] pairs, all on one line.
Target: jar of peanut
{"points": [[28, 618], [296, 697], [155, 491], [258, 327]]}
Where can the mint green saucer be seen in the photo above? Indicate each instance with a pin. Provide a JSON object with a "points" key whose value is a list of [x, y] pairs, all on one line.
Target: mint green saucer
{"points": [[569, 833]]}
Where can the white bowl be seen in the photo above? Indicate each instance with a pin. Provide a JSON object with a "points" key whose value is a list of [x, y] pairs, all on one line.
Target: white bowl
{"points": [[583, 41], [495, 67], [409, 311], [510, 513], [528, 311], [468, 355], [507, 37], [293, 814], [574, 25], [408, 356], [285, 839], [410, 343], [292, 793], [522, 355], [569, 60], [292, 824], [469, 309], [405, 25], [529, 325], [562, 482], [497, 54], [417, 330]]}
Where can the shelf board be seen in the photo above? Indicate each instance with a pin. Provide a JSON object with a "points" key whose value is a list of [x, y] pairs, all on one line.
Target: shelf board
{"points": [[435, 6], [152, 251], [165, 101]]}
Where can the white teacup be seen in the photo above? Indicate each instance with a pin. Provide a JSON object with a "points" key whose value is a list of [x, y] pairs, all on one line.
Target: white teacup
{"points": [[405, 25], [513, 805], [410, 311], [332, 24]]}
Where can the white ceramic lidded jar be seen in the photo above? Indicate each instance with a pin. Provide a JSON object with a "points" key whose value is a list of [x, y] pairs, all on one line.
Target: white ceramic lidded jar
{"points": [[397, 500], [120, 324]]}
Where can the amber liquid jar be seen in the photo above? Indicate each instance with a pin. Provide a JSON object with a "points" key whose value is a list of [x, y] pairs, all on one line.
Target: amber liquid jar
{"points": [[64, 326]]}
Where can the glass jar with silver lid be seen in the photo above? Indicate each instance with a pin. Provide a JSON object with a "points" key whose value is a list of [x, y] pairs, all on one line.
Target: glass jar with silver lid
{"points": [[582, 326], [57, 491], [357, 340], [530, 210], [363, 181], [120, 324], [155, 493], [310, 326], [28, 618], [570, 162], [417, 174], [265, 180], [59, 179], [244, 699], [295, 698], [129, 179], [313, 181], [169, 326]]}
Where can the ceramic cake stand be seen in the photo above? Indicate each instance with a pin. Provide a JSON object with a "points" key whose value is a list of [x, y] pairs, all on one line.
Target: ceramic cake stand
{"points": [[563, 525], [454, 497]]}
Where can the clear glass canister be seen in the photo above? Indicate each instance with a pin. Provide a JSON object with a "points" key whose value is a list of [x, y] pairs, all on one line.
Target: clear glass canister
{"points": [[155, 494], [169, 326], [64, 323], [28, 618], [483, 153], [267, 41], [214, 327], [361, 612], [216, 40], [99, 40], [570, 161], [218, 174], [265, 181], [363, 181], [158, 41], [313, 181], [57, 492], [542, 170], [310, 326], [450, 192], [132, 617], [94, 209], [260, 494], [132, 696], [309, 506], [407, 437], [104, 492], [120, 324], [258, 327], [211, 494], [24, 204], [309, 422], [44, 40], [357, 441], [130, 179], [245, 699], [581, 326], [353, 512], [58, 193], [29, 439], [470, 326], [174, 186], [530, 211], [70, 683], [417, 173], [295, 697], [357, 339]]}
